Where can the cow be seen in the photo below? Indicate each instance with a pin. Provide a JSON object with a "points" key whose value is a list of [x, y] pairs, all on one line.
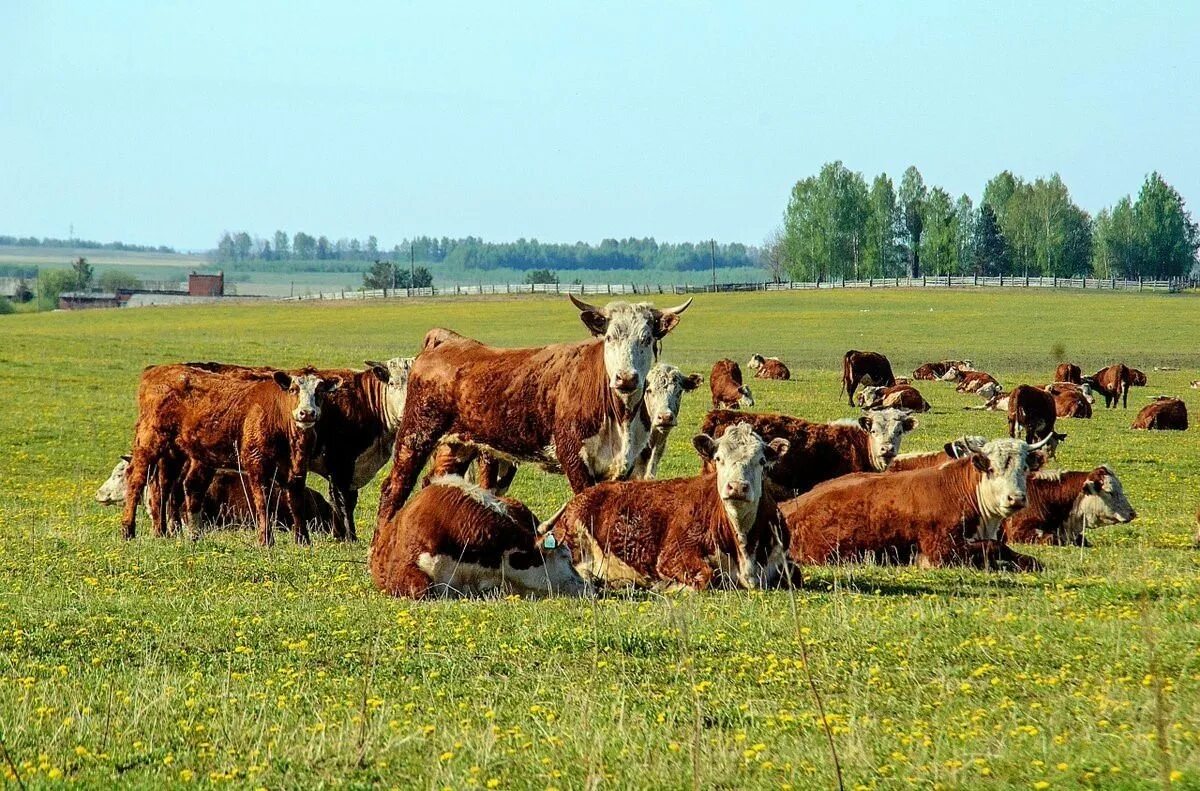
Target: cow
{"points": [[570, 407], [768, 368], [955, 449], [1163, 414], [454, 538], [972, 381], [725, 382], [930, 372], [1062, 505], [950, 513], [1031, 410], [665, 387], [1137, 378], [226, 503], [719, 528], [1112, 383], [1068, 372], [869, 368], [900, 396], [820, 451], [1068, 403], [263, 427], [1058, 388]]}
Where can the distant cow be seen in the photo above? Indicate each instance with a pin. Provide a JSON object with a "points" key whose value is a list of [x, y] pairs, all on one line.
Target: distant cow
{"points": [[725, 382], [1058, 388], [1137, 378], [1062, 505], [955, 449], [972, 381], [820, 451], [717, 528], [900, 396], [945, 511], [930, 371], [570, 407], [454, 538], [768, 367], [665, 387], [1071, 404], [865, 368], [1068, 372], [1031, 411], [1163, 414], [226, 503], [1112, 383]]}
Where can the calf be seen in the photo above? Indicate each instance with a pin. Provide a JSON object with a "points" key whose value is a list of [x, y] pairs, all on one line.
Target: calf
{"points": [[1062, 505], [900, 396], [865, 368], [955, 449], [1163, 414], [768, 368], [1112, 383], [942, 510], [1068, 372], [725, 382], [454, 538], [820, 451], [719, 526], [665, 387]]}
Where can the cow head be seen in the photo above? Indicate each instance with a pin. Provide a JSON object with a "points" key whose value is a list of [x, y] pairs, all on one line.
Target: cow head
{"points": [[631, 334], [868, 395], [1102, 501], [740, 457], [1001, 492], [747, 399], [964, 446], [953, 374], [112, 491], [756, 362], [309, 390], [989, 391], [1086, 390], [886, 429], [665, 386], [546, 568], [394, 374]]}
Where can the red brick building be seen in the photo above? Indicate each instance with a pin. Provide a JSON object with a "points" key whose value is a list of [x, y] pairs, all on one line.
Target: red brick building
{"points": [[206, 285]]}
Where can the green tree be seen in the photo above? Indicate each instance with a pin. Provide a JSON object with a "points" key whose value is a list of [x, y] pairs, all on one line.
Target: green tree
{"points": [[883, 221], [912, 213], [372, 249], [324, 249], [382, 274], [422, 277], [939, 248], [304, 247], [1163, 231], [52, 283], [541, 276], [990, 247], [825, 224], [964, 235], [83, 274], [281, 245], [242, 244], [225, 248]]}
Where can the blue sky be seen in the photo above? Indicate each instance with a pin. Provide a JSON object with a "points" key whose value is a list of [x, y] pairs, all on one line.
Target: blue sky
{"points": [[170, 122]]}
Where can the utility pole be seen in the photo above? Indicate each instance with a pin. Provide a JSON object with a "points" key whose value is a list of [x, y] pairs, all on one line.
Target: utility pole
{"points": [[712, 258]]}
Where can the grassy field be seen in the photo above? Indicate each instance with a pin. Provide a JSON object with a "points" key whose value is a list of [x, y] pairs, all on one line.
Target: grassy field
{"points": [[164, 662]]}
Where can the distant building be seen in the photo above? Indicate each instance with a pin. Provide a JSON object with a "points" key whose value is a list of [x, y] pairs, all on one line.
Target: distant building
{"points": [[78, 300], [206, 285]]}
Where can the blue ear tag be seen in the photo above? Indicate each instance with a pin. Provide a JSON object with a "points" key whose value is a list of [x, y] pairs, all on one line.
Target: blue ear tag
{"points": [[548, 542]]}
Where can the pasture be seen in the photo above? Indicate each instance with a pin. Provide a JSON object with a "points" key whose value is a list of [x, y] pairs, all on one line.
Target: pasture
{"points": [[163, 662]]}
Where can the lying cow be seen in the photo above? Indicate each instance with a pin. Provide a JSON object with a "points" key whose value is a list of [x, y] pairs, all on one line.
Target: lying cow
{"points": [[570, 407], [1071, 404], [665, 387], [1068, 372], [1112, 383], [1062, 505], [865, 368], [768, 367], [1058, 388], [725, 382], [454, 538], [900, 396], [820, 451], [717, 528], [955, 449], [973, 381], [225, 504], [944, 510], [1163, 414]]}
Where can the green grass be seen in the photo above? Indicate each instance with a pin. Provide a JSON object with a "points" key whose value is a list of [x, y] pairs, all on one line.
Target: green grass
{"points": [[163, 662]]}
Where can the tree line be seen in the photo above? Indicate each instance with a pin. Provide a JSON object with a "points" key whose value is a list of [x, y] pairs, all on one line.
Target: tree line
{"points": [[836, 226], [474, 253], [81, 244]]}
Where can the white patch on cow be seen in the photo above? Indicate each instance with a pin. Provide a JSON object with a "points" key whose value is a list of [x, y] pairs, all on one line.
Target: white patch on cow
{"points": [[112, 491], [756, 362], [952, 375], [396, 391], [989, 391], [885, 429], [309, 390], [555, 575], [610, 455], [597, 565], [475, 492], [867, 395], [1001, 490]]}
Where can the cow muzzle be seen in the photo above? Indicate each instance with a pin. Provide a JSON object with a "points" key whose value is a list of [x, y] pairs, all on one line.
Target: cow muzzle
{"points": [[664, 420], [1015, 502], [306, 418], [736, 490], [626, 382]]}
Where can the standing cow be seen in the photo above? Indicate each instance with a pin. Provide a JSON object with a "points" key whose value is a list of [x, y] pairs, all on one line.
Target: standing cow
{"points": [[869, 368], [570, 407], [1031, 410], [1068, 372], [768, 368], [1112, 383], [665, 387], [725, 383]]}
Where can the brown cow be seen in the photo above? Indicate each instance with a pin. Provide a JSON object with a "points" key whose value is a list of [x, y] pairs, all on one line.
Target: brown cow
{"points": [[570, 407], [947, 511], [454, 538], [1031, 410], [973, 381], [718, 527], [1071, 404], [725, 382], [938, 370], [865, 368], [820, 451], [955, 449], [768, 368], [1112, 383], [1062, 505], [900, 396], [1068, 372], [1137, 378], [1163, 414]]}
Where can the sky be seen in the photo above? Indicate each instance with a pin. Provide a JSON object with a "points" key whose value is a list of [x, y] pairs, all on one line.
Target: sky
{"points": [[168, 123]]}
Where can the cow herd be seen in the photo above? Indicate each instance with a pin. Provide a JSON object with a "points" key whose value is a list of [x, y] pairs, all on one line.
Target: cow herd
{"points": [[217, 443]]}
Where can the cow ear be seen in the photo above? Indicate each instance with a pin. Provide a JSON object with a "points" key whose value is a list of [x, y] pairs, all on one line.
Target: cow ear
{"points": [[664, 323], [776, 448], [1091, 487], [951, 450], [864, 422], [283, 379], [595, 321], [692, 382], [981, 462], [909, 423], [127, 458], [705, 445], [333, 384], [1035, 461], [380, 370]]}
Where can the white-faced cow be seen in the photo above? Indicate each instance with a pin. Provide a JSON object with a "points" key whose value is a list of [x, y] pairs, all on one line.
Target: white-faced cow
{"points": [[1062, 505], [768, 368], [665, 387]]}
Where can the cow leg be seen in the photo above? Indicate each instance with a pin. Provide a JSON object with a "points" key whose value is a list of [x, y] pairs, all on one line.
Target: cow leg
{"points": [[684, 569], [195, 487], [294, 495], [993, 553], [851, 386], [343, 498], [1124, 396], [412, 451], [568, 448], [158, 491], [139, 466], [351, 503]]}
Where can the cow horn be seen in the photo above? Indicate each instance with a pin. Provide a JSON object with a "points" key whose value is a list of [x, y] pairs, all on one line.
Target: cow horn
{"points": [[678, 308], [548, 525], [1041, 443], [583, 306]]}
